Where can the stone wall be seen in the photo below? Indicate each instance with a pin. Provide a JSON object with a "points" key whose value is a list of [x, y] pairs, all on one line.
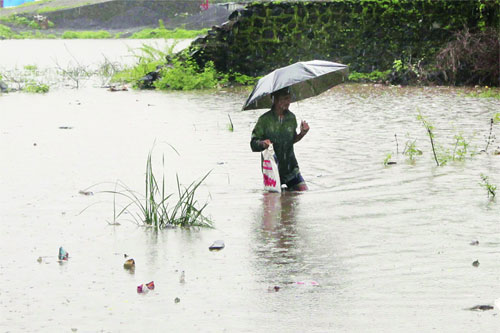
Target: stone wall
{"points": [[365, 34]]}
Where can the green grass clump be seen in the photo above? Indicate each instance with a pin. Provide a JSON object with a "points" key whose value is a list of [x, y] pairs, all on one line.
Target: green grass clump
{"points": [[488, 186], [374, 76], [486, 93], [101, 34], [186, 75], [38, 88], [155, 208], [168, 34], [5, 32]]}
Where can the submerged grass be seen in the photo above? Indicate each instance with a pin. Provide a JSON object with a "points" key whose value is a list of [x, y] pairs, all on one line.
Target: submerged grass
{"points": [[155, 208]]}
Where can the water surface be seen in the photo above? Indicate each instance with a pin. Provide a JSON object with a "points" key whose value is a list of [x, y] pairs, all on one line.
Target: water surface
{"points": [[388, 246]]}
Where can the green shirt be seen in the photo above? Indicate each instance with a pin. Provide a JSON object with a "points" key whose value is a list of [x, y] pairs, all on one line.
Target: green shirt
{"points": [[282, 135]]}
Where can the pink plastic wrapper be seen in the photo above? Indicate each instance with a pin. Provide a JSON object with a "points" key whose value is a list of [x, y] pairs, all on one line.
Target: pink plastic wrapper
{"points": [[145, 287], [308, 283]]}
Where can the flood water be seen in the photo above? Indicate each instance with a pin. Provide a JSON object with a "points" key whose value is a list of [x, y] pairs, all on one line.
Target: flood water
{"points": [[388, 246]]}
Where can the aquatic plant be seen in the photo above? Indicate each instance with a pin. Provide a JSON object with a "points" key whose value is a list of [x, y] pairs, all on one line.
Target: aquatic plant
{"points": [[387, 159], [429, 128], [230, 126], [488, 186], [154, 207], [461, 148], [411, 150]]}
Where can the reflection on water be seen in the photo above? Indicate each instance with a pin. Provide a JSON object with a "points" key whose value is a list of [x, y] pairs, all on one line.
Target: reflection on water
{"points": [[278, 233]]}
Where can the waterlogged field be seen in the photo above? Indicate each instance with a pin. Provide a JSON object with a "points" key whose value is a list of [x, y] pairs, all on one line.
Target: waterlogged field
{"points": [[371, 247]]}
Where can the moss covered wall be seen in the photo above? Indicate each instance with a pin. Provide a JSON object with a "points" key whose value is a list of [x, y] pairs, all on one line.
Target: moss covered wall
{"points": [[365, 34]]}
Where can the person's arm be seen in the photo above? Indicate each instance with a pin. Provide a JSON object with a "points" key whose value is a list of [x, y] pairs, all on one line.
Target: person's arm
{"points": [[304, 128], [258, 143]]}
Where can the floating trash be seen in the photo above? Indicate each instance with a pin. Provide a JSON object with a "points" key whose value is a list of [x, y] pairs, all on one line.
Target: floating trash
{"points": [[474, 242], [65, 127], [86, 192], [475, 263], [177, 300], [63, 255], [145, 287], [39, 260], [217, 245], [307, 283], [129, 264], [273, 289], [482, 308], [182, 278]]}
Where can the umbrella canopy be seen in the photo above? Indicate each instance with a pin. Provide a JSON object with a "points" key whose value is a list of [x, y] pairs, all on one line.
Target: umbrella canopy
{"points": [[305, 79]]}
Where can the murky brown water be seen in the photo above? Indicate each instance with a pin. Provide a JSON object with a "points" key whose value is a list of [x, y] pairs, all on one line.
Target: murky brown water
{"points": [[388, 246]]}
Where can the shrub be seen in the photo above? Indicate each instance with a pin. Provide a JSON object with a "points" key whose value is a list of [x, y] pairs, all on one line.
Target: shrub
{"points": [[472, 58]]}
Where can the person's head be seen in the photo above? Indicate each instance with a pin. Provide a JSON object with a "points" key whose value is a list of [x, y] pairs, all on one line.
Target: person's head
{"points": [[281, 99]]}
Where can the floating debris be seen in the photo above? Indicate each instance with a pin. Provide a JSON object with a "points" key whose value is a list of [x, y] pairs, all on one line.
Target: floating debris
{"points": [[182, 278], [217, 245], [177, 300], [474, 242], [273, 289], [145, 287], [391, 163], [114, 88], [86, 192], [63, 255], [65, 127], [129, 264], [39, 260], [307, 283], [475, 263], [482, 308]]}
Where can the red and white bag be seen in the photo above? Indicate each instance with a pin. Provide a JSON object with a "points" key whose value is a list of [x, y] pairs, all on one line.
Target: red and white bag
{"points": [[270, 171]]}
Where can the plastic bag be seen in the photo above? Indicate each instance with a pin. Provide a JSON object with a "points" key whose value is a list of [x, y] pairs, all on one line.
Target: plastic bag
{"points": [[270, 171]]}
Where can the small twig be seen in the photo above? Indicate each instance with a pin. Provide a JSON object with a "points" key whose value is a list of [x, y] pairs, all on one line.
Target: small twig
{"points": [[397, 146], [489, 136]]}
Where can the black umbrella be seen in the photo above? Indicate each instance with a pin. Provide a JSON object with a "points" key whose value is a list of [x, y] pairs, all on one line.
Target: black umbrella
{"points": [[305, 79]]}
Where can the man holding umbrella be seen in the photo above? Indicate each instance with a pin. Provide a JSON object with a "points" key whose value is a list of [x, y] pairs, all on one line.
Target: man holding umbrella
{"points": [[278, 127]]}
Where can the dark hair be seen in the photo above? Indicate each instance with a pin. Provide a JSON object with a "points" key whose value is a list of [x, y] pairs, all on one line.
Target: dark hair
{"points": [[282, 92]]}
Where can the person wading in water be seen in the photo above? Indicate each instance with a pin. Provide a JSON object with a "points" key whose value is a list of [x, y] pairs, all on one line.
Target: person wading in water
{"points": [[278, 127]]}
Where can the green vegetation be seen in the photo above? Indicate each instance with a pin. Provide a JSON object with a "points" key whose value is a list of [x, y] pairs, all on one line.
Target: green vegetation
{"points": [[411, 150], [148, 60], [175, 72], [168, 34], [186, 75], [34, 87], [230, 126], [101, 34], [156, 210], [489, 187], [461, 148], [375, 76], [428, 126], [486, 93], [387, 159]]}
